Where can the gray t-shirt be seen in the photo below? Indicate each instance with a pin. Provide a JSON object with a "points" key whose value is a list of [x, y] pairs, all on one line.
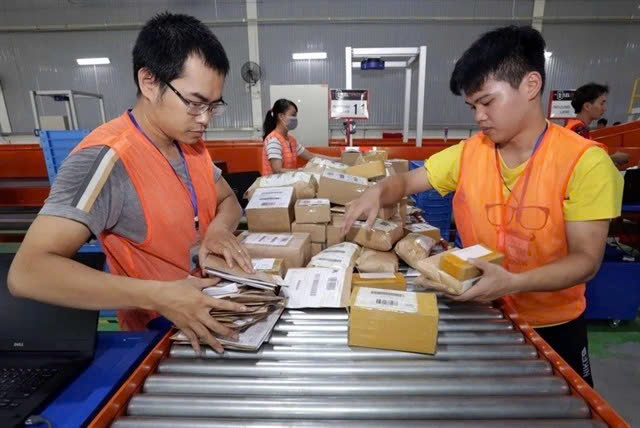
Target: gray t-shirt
{"points": [[93, 188]]}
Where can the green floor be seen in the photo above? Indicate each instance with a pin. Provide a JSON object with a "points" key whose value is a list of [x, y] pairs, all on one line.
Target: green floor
{"points": [[602, 336]]}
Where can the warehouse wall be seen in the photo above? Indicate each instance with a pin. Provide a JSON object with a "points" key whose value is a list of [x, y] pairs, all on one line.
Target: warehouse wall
{"points": [[606, 52]]}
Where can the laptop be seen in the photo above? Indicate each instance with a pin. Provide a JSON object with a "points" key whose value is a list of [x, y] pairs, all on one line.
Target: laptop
{"points": [[42, 347]]}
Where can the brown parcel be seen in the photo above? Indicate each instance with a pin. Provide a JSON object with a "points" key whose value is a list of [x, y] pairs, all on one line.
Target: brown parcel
{"points": [[395, 320], [318, 232], [373, 155], [384, 213], [381, 237], [313, 211], [341, 188], [296, 253], [316, 248], [351, 158], [377, 261], [400, 166], [435, 279], [424, 229], [414, 248], [456, 263], [339, 256], [304, 183], [385, 280], [271, 209], [276, 266], [333, 231], [369, 170]]}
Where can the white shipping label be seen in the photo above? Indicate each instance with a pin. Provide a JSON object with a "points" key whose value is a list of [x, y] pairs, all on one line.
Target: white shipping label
{"points": [[472, 252], [387, 300], [336, 256], [313, 202], [271, 197], [346, 178], [268, 239], [381, 225], [285, 179], [420, 227], [314, 287], [263, 264], [377, 275]]}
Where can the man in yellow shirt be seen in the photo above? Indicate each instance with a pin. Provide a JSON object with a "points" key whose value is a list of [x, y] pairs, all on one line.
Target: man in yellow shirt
{"points": [[537, 192]]}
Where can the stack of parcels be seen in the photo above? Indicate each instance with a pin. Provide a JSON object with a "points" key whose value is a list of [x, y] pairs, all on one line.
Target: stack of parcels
{"points": [[304, 183]]}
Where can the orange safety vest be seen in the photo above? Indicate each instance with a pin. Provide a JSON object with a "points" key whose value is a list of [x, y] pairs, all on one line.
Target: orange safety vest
{"points": [[289, 152], [484, 215], [166, 205]]}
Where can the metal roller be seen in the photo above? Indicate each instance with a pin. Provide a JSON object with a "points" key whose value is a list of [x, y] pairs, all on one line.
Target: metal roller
{"points": [[304, 352], [451, 338], [562, 407], [445, 312], [405, 368], [354, 386], [444, 325], [151, 422]]}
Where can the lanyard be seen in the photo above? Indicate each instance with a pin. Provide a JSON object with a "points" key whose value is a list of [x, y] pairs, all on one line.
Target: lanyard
{"points": [[189, 185]]}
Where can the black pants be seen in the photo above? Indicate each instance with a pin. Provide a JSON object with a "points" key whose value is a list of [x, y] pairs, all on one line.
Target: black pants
{"points": [[570, 342]]}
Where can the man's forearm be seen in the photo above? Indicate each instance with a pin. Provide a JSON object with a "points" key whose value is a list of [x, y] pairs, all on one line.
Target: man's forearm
{"points": [[564, 273], [392, 189], [58, 280]]}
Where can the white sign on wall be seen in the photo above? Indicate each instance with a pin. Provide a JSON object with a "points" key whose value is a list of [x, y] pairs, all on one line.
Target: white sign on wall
{"points": [[560, 104]]}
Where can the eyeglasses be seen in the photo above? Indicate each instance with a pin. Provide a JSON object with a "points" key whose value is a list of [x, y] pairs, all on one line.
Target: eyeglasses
{"points": [[216, 108], [530, 218]]}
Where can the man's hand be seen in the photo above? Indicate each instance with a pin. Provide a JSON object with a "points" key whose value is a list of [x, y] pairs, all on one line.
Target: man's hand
{"points": [[367, 204], [224, 243], [184, 303], [495, 282], [620, 158]]}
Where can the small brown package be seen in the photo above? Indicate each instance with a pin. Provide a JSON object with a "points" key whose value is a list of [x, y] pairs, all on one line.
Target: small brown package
{"points": [[313, 211], [384, 213], [304, 183], [368, 170], [377, 261], [339, 256], [396, 320], [413, 248], [424, 229], [316, 248], [334, 236], [351, 157], [269, 266], [381, 237], [456, 263], [374, 155], [385, 280], [294, 248], [341, 188], [318, 231], [432, 278], [271, 209]]}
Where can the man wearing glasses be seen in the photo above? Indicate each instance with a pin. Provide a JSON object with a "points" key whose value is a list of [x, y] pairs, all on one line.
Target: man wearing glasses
{"points": [[145, 185], [523, 186]]}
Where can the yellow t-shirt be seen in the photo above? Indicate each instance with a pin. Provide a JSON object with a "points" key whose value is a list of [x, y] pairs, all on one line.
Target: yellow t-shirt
{"points": [[594, 191]]}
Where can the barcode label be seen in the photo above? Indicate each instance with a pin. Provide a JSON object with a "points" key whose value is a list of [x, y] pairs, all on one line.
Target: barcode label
{"points": [[312, 202], [420, 227], [387, 300], [332, 283], [314, 285], [383, 226], [263, 264], [272, 240], [279, 197], [378, 275], [346, 178]]}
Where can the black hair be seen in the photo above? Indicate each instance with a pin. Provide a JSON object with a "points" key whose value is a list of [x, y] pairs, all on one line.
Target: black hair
{"points": [[167, 40], [506, 54], [603, 121], [616, 123], [587, 94], [271, 119]]}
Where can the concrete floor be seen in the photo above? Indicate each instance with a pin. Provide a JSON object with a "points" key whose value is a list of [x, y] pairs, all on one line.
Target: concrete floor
{"points": [[615, 363]]}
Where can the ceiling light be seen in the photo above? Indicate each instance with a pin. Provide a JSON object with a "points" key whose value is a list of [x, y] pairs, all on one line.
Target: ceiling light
{"points": [[93, 61], [309, 55], [547, 54]]}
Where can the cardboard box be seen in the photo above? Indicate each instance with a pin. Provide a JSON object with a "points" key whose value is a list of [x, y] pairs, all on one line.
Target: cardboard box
{"points": [[384, 213], [374, 155], [293, 248], [395, 320], [304, 184], [333, 231], [368, 170], [317, 231], [456, 264], [400, 166], [385, 280], [316, 248], [351, 157], [341, 188], [269, 266], [313, 211], [381, 237], [271, 209], [424, 229]]}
